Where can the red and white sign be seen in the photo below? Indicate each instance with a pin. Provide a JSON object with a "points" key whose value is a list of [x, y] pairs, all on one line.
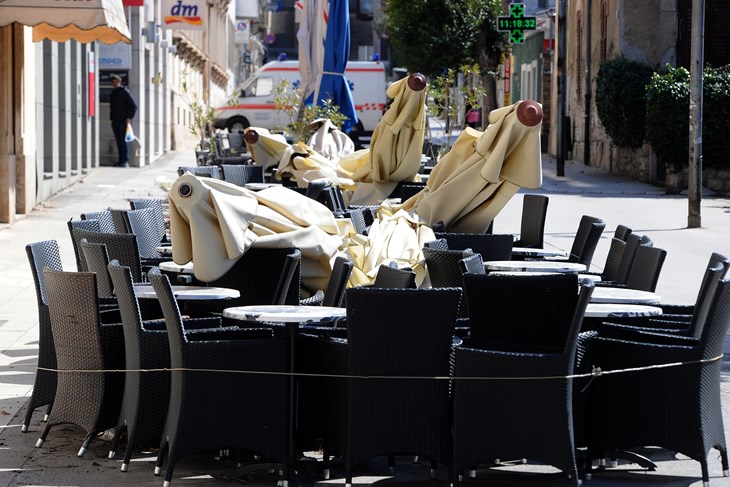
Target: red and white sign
{"points": [[133, 3]]}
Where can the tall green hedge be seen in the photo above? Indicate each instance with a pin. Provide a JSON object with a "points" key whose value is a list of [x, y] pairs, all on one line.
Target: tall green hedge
{"points": [[667, 116], [620, 100]]}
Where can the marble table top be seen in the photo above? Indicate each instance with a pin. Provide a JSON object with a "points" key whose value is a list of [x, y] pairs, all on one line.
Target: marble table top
{"points": [[623, 296], [285, 313], [615, 310], [533, 266], [171, 266], [528, 252], [190, 293]]}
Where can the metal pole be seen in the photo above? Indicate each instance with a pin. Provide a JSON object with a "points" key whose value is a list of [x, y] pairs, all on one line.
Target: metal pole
{"points": [[562, 87], [694, 218], [588, 94]]}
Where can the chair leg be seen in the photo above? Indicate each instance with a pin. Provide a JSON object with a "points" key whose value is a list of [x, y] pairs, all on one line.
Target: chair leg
{"points": [[161, 454], [48, 412], [391, 463], [87, 441], [121, 428], [42, 438], [705, 473], [434, 469], [131, 441], [723, 459]]}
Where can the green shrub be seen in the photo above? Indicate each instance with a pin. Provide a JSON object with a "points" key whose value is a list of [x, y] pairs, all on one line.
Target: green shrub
{"points": [[620, 100], [667, 116], [715, 117]]}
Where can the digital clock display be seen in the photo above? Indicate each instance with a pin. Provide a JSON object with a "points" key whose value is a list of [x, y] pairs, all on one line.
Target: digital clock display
{"points": [[525, 23]]}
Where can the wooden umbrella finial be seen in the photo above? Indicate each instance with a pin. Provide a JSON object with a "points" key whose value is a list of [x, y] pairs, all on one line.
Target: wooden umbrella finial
{"points": [[251, 137], [416, 81], [529, 113]]}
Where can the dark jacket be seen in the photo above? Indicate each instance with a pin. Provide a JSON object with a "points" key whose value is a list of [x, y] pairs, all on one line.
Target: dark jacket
{"points": [[121, 104]]}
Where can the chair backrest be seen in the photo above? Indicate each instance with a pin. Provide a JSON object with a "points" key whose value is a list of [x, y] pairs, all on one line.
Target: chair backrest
{"points": [[171, 312], [490, 246], [646, 268], [201, 171], [105, 219], [334, 295], [72, 301], [42, 254], [257, 274], [314, 189], [409, 190], [97, 261], [121, 278], [119, 246], [121, 222], [291, 265], [716, 270], [622, 232], [390, 330], [472, 264], [438, 244], [586, 239], [627, 257], [533, 310], [443, 266], [532, 224], [714, 331], [90, 225], [144, 223], [242, 174], [613, 259], [390, 277], [358, 217], [157, 206]]}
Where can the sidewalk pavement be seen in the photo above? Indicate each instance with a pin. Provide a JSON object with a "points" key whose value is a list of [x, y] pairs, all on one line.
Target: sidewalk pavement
{"points": [[583, 190]]}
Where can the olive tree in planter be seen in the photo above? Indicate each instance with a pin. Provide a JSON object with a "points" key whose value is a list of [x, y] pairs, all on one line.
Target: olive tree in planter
{"points": [[289, 100]]}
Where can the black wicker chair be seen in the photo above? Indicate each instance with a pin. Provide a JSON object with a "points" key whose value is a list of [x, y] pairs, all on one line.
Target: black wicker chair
{"points": [[144, 223], [214, 407], [490, 246], [105, 219], [97, 261], [43, 254], [585, 241], [120, 246], [684, 320], [242, 174], [622, 232], [531, 419], [146, 394], [677, 408], [201, 171], [390, 276], [158, 206], [472, 264], [88, 225], [444, 270], [613, 261], [334, 295], [88, 400], [532, 224], [390, 332]]}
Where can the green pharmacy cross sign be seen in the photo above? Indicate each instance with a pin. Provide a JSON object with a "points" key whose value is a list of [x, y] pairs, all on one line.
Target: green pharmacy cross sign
{"points": [[516, 24]]}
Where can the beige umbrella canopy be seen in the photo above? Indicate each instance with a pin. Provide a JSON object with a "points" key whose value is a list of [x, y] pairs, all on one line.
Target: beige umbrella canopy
{"points": [[87, 21], [396, 145], [265, 148], [213, 223], [483, 170]]}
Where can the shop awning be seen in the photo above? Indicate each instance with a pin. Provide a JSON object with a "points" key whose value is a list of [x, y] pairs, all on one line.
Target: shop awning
{"points": [[63, 20]]}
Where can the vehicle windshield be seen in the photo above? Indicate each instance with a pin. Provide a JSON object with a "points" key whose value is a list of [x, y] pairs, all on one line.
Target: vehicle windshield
{"points": [[257, 87]]}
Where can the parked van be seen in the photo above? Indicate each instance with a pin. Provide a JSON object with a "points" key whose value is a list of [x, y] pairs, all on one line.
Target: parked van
{"points": [[255, 105]]}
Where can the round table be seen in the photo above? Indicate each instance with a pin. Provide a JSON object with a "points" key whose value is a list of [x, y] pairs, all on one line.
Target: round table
{"points": [[533, 266], [170, 266], [528, 252], [164, 250], [615, 310], [622, 295], [190, 293], [285, 313]]}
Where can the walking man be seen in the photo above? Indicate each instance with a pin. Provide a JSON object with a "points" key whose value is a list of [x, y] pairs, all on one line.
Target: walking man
{"points": [[122, 109]]}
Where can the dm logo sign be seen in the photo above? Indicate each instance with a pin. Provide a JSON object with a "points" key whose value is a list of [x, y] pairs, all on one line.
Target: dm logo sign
{"points": [[184, 14]]}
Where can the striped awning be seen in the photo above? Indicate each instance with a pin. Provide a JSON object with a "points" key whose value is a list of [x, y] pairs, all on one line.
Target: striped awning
{"points": [[63, 20]]}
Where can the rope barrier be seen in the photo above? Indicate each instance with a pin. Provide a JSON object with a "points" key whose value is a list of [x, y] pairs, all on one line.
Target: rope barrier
{"points": [[596, 372]]}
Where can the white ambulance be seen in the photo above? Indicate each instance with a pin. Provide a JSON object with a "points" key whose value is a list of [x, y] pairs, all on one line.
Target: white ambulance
{"points": [[255, 103]]}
